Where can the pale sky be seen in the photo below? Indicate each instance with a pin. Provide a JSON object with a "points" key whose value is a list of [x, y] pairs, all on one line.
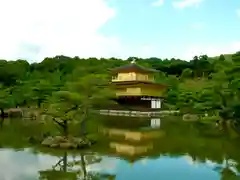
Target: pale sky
{"points": [[35, 29]]}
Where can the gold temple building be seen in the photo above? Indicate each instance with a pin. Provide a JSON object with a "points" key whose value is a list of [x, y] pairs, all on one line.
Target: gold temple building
{"points": [[136, 88]]}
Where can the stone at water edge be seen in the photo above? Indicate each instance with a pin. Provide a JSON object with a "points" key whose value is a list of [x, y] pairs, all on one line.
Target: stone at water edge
{"points": [[190, 117], [59, 139], [48, 141], [53, 145], [66, 143]]}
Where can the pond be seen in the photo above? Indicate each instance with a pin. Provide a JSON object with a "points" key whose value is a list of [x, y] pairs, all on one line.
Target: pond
{"points": [[129, 149]]}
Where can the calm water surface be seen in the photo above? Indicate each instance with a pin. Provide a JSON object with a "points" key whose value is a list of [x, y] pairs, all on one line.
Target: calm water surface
{"points": [[136, 149]]}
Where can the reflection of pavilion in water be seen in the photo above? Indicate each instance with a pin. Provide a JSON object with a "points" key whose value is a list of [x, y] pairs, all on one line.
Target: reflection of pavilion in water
{"points": [[131, 137]]}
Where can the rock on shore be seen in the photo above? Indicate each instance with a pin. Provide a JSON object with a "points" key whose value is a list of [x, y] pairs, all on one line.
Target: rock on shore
{"points": [[66, 142], [190, 117]]}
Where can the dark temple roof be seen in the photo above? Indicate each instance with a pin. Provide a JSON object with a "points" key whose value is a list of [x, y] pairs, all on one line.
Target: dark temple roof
{"points": [[134, 67]]}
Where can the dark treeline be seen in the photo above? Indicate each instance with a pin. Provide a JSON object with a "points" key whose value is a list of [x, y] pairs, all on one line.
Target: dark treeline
{"points": [[12, 71], [203, 84]]}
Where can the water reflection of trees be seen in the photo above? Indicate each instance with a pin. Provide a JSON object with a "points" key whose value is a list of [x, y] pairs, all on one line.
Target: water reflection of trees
{"points": [[205, 143], [202, 142], [228, 170], [75, 168]]}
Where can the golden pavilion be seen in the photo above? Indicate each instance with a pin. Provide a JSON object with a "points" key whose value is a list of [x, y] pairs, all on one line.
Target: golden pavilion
{"points": [[136, 88]]}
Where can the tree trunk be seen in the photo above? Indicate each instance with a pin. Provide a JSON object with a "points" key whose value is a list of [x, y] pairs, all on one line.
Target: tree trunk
{"points": [[83, 124], [1, 123], [2, 116], [39, 103], [2, 113], [65, 162], [65, 128], [83, 164], [83, 127]]}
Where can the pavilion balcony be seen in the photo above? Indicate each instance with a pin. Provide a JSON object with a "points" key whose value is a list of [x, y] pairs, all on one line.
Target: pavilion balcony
{"points": [[138, 92], [132, 77]]}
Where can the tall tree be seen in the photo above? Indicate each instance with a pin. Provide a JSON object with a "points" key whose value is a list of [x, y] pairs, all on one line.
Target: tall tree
{"points": [[78, 99], [6, 100], [222, 57]]}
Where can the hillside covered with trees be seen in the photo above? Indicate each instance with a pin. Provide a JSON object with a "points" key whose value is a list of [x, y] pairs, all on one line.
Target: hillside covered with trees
{"points": [[202, 85]]}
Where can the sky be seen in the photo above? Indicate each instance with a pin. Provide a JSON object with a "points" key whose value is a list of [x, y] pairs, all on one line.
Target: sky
{"points": [[35, 29]]}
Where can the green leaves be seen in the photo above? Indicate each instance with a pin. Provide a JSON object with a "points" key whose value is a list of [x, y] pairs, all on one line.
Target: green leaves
{"points": [[187, 73], [76, 100], [85, 81], [220, 94], [6, 99], [92, 90]]}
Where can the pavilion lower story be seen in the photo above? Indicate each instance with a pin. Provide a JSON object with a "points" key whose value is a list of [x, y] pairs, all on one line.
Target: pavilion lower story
{"points": [[141, 103]]}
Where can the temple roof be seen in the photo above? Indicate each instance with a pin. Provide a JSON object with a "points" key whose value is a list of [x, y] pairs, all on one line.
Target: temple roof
{"points": [[135, 68]]}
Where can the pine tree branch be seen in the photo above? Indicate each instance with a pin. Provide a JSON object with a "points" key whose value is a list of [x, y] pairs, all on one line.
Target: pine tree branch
{"points": [[59, 123]]}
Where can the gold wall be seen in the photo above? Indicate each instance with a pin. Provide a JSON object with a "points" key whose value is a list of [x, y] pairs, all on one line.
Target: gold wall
{"points": [[139, 91], [133, 76]]}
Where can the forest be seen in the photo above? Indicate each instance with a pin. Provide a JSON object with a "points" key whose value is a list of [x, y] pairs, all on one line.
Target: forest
{"points": [[64, 86]]}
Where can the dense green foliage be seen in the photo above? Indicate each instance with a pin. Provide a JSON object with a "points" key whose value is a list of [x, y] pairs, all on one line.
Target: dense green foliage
{"points": [[68, 87], [202, 85]]}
